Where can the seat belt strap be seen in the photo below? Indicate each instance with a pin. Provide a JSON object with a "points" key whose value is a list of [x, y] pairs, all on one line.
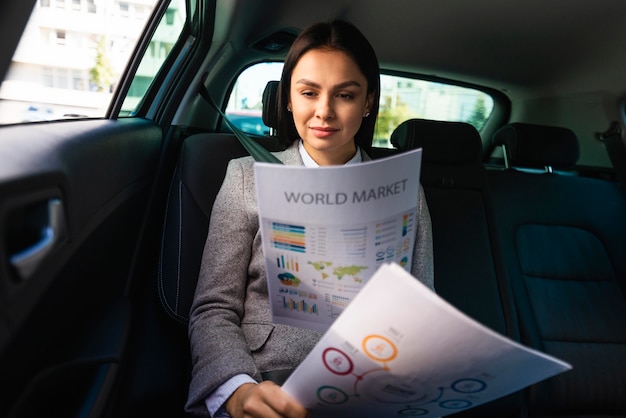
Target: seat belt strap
{"points": [[256, 150]]}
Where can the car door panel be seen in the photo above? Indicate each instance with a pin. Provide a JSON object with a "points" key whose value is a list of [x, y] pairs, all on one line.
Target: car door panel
{"points": [[73, 193]]}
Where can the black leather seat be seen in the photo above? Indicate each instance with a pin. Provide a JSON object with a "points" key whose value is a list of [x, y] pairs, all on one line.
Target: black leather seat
{"points": [[562, 241], [456, 188], [531, 147], [465, 254], [197, 179]]}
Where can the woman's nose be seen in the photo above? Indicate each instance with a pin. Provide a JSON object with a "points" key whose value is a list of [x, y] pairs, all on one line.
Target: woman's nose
{"points": [[324, 109]]}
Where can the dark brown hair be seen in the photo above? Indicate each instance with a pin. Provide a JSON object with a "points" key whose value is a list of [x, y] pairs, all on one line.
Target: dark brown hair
{"points": [[335, 35]]}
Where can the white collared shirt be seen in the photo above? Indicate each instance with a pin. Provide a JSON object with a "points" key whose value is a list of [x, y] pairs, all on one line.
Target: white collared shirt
{"points": [[309, 162]]}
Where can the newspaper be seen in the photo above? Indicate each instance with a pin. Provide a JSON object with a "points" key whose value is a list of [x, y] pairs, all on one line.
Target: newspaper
{"points": [[400, 350], [326, 230]]}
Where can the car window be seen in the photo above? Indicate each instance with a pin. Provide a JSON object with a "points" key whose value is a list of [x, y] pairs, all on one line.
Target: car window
{"points": [[161, 44], [401, 98], [245, 104], [72, 54]]}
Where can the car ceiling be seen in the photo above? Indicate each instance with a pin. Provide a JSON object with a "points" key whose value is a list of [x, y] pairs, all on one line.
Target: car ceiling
{"points": [[529, 48]]}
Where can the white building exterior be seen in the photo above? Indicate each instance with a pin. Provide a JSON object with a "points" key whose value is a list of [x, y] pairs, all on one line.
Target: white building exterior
{"points": [[49, 76]]}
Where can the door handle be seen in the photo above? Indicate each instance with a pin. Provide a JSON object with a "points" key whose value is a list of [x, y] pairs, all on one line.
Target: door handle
{"points": [[27, 261]]}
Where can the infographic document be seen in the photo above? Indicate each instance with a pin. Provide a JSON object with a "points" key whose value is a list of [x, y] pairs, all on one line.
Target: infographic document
{"points": [[326, 230], [400, 350]]}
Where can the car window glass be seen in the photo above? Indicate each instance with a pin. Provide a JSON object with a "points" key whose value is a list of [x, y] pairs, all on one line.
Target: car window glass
{"points": [[245, 106], [401, 98], [160, 47], [70, 58]]}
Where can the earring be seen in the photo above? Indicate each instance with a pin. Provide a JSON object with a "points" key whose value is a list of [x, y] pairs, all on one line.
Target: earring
{"points": [[366, 115], [288, 108]]}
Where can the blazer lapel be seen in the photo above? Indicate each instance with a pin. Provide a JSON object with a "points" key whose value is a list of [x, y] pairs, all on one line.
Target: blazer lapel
{"points": [[291, 156]]}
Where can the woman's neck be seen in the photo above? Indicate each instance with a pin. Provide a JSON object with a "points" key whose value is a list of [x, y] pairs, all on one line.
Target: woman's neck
{"points": [[331, 157]]}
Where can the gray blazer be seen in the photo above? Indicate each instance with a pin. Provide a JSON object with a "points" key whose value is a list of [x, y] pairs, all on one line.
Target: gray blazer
{"points": [[231, 330]]}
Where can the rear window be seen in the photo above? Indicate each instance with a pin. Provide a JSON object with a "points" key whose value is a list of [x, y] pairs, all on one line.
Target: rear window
{"points": [[401, 98]]}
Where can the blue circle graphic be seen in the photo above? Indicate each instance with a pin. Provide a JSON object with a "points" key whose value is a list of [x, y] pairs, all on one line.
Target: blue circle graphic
{"points": [[468, 385]]}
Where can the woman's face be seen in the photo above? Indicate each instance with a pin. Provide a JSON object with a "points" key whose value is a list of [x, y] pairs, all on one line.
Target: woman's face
{"points": [[328, 98]]}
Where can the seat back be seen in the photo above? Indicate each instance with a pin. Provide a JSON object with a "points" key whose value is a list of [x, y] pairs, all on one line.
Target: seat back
{"points": [[563, 249], [195, 184], [197, 179], [455, 184], [465, 255], [537, 147]]}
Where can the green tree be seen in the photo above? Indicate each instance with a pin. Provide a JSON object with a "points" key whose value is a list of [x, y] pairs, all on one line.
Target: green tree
{"points": [[101, 74], [479, 114], [388, 119]]}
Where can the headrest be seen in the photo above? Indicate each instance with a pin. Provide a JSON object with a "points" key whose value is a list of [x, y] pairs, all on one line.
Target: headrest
{"points": [[529, 145], [270, 104], [442, 142]]}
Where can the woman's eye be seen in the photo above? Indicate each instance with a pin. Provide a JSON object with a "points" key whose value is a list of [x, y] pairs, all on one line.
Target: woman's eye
{"points": [[345, 96], [308, 93]]}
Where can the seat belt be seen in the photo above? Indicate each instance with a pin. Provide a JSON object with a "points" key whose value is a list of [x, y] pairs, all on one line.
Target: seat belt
{"points": [[612, 139], [256, 150]]}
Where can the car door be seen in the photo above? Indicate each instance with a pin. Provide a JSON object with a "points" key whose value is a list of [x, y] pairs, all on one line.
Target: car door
{"points": [[74, 199]]}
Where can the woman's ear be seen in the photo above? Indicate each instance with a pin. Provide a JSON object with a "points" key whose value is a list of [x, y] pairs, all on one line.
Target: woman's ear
{"points": [[368, 106]]}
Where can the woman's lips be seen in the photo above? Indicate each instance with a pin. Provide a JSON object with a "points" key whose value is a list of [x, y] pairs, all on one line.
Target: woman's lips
{"points": [[323, 132]]}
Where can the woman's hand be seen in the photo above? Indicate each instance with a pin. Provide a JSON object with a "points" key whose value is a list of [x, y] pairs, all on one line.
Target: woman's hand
{"points": [[263, 400]]}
